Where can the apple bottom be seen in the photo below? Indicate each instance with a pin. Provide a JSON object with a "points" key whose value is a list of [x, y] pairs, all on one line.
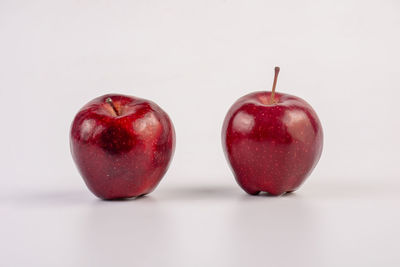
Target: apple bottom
{"points": [[266, 177], [255, 192], [126, 175], [117, 188]]}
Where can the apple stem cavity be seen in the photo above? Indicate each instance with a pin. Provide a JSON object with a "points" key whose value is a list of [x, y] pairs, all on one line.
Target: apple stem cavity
{"points": [[111, 103], [272, 100]]}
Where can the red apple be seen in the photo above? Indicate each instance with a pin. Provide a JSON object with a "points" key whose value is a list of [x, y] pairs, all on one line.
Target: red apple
{"points": [[122, 145], [272, 141]]}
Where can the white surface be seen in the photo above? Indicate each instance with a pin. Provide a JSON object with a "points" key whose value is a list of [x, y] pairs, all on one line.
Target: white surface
{"points": [[195, 58]]}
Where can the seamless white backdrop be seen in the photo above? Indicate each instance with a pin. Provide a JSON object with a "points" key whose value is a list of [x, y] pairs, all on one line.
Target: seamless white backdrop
{"points": [[194, 59]]}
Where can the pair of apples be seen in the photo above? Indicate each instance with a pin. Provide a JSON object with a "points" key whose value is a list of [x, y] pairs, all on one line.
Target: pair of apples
{"points": [[123, 145]]}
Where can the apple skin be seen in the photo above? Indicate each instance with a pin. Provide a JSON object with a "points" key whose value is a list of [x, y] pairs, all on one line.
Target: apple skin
{"points": [[271, 147], [125, 155]]}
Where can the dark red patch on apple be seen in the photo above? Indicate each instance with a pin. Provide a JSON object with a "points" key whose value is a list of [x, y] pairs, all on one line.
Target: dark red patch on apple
{"points": [[116, 140]]}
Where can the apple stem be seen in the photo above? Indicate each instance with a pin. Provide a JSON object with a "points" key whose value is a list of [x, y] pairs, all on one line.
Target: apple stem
{"points": [[277, 69], [111, 103]]}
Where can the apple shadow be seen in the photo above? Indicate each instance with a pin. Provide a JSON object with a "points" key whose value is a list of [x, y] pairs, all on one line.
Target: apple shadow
{"points": [[323, 189], [141, 199], [65, 198], [268, 195], [213, 192], [332, 189], [125, 199], [51, 198], [199, 192]]}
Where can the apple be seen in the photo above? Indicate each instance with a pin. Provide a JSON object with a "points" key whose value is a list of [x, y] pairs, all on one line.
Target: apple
{"points": [[122, 145], [272, 141]]}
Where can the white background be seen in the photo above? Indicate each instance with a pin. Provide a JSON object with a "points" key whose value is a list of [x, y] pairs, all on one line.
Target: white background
{"points": [[195, 58]]}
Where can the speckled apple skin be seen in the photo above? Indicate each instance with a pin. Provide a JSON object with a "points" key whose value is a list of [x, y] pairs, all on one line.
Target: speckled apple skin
{"points": [[122, 156], [271, 148]]}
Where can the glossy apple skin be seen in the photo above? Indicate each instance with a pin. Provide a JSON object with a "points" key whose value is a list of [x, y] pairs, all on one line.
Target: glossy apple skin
{"points": [[271, 148], [122, 156]]}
